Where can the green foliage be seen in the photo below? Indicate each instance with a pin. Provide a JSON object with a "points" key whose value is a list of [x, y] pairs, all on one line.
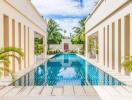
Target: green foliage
{"points": [[54, 35], [73, 51], [127, 63], [90, 45], [79, 36], [51, 52], [39, 49], [5, 53]]}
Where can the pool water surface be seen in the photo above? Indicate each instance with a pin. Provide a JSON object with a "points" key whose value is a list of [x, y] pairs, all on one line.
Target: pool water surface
{"points": [[66, 69]]}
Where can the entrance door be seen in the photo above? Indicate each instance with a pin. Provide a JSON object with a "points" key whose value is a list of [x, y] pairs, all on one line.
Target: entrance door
{"points": [[66, 46]]}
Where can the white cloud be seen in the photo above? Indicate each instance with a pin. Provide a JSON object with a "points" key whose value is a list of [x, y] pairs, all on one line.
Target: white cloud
{"points": [[66, 8], [67, 24], [63, 7]]}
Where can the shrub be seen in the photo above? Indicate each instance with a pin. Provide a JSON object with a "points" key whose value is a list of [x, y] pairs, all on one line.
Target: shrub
{"points": [[73, 51], [51, 52]]}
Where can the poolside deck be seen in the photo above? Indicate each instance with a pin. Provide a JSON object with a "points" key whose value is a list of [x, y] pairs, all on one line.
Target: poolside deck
{"points": [[66, 93]]}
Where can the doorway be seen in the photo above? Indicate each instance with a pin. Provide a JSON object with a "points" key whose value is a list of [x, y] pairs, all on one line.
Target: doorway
{"points": [[66, 46]]}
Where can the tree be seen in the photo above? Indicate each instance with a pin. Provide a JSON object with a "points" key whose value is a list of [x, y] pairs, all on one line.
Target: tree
{"points": [[54, 35], [79, 36], [127, 63], [5, 53]]}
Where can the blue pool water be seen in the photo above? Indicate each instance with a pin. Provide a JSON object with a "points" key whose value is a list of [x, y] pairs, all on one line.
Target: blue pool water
{"points": [[67, 69]]}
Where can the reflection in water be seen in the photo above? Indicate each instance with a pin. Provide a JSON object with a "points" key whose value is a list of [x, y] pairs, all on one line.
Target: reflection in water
{"points": [[66, 59], [39, 74], [66, 69]]}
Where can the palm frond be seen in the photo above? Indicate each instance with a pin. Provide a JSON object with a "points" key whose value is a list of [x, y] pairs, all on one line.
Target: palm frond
{"points": [[14, 56], [11, 49], [127, 63], [7, 70], [5, 62], [5, 53]]}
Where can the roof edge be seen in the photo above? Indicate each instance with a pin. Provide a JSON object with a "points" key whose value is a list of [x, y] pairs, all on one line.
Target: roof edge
{"points": [[94, 10]]}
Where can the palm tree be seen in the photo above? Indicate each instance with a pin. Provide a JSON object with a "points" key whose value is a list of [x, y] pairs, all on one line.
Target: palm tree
{"points": [[5, 53], [54, 35], [79, 32], [127, 63], [79, 36]]}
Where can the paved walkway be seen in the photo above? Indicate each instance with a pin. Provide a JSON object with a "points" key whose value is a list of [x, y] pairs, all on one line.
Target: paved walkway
{"points": [[114, 92], [66, 93], [48, 93]]}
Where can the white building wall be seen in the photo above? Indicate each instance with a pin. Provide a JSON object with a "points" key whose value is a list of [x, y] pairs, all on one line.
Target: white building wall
{"points": [[108, 12], [22, 11], [105, 8], [55, 46], [61, 46]]}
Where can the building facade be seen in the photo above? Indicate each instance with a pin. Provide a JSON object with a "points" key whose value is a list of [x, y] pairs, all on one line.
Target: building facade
{"points": [[66, 45], [19, 22], [110, 27]]}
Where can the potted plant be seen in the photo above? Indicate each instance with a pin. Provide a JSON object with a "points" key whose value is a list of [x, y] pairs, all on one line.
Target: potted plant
{"points": [[127, 63], [5, 53]]}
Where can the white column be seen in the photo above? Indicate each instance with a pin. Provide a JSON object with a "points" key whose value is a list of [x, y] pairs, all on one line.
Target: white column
{"points": [[131, 37], [107, 45], [10, 42], [1, 31], [32, 56], [110, 45], [122, 42], [26, 46], [1, 35], [100, 44], [116, 46], [22, 45], [106, 49], [113, 45], [16, 44]]}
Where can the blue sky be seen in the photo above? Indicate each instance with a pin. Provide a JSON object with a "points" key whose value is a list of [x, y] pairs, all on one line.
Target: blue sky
{"points": [[66, 13]]}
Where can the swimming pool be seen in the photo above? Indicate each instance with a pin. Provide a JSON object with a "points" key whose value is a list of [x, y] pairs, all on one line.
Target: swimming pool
{"points": [[66, 69]]}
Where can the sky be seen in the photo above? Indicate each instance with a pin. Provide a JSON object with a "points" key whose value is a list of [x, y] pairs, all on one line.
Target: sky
{"points": [[66, 13]]}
